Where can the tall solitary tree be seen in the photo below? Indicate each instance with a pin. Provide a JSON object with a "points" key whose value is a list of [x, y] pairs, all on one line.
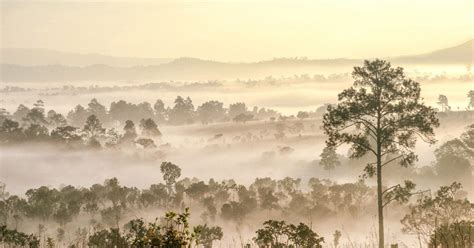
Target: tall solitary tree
{"points": [[382, 114]]}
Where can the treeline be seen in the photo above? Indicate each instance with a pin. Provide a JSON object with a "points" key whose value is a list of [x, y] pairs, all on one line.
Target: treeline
{"points": [[182, 112], [443, 218], [86, 127], [216, 84], [91, 135], [109, 203], [173, 230]]}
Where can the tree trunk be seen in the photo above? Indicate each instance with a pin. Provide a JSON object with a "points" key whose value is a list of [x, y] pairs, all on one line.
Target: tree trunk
{"points": [[379, 201], [379, 185]]}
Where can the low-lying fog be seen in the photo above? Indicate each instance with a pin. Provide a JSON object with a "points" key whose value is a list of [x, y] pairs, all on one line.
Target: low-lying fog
{"points": [[240, 154], [286, 94], [222, 151]]}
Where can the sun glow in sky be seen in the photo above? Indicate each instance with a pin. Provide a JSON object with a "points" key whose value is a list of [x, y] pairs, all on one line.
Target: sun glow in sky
{"points": [[238, 30]]}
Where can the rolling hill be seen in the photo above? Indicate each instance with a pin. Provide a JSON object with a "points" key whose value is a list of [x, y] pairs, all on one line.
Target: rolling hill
{"points": [[23, 65]]}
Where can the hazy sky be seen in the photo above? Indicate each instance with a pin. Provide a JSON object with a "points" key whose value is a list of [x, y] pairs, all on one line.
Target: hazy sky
{"points": [[238, 30]]}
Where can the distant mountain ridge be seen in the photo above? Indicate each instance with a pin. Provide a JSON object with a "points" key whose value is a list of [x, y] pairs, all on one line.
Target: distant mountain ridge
{"points": [[40, 57], [74, 67], [460, 54]]}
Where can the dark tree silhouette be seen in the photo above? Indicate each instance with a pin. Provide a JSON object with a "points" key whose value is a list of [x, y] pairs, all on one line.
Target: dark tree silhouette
{"points": [[149, 128], [243, 118], [443, 103], [279, 234], [210, 111], [20, 112], [93, 130], [78, 115], [182, 112], [170, 172], [329, 159], [129, 132], [205, 235], [97, 109], [10, 131], [236, 109], [160, 111], [302, 115], [470, 95], [36, 114]]}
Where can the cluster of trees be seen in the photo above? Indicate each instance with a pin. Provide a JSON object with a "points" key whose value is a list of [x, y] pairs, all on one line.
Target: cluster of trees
{"points": [[75, 90], [173, 230], [380, 117], [444, 218], [216, 84], [17, 239], [53, 128], [278, 234], [454, 158], [88, 130], [454, 161], [443, 102], [225, 200], [111, 202], [182, 112]]}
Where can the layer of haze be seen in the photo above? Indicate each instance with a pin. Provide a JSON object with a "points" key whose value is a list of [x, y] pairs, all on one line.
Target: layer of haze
{"points": [[238, 30]]}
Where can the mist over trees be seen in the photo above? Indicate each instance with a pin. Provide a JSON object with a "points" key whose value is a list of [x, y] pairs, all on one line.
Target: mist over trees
{"points": [[373, 127], [182, 112]]}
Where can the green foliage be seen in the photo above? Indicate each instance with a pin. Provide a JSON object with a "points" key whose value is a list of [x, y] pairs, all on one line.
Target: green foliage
{"points": [[17, 239], [457, 234], [276, 234], [431, 212], [205, 235], [380, 114], [173, 232], [107, 238], [237, 210], [399, 193]]}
